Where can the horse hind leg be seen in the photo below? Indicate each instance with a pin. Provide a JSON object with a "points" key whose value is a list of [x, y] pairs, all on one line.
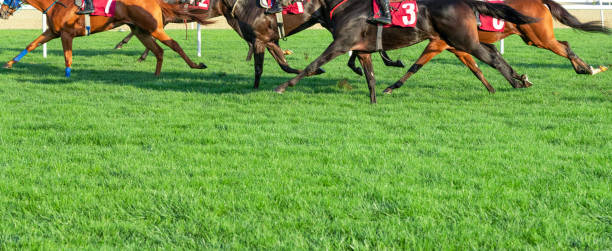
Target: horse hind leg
{"points": [[579, 65], [124, 41], [161, 35], [148, 41]]}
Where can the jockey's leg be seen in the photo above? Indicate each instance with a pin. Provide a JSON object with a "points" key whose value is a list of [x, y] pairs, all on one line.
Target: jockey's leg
{"points": [[89, 8], [276, 7], [385, 15]]}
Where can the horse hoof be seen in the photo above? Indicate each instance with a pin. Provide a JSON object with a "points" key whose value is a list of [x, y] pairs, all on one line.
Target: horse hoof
{"points": [[140, 60], [202, 66], [7, 66], [400, 64], [320, 71], [388, 91]]}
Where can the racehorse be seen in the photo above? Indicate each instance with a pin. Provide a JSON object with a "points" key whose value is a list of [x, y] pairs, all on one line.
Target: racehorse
{"points": [[452, 21], [145, 18], [211, 13], [539, 34]]}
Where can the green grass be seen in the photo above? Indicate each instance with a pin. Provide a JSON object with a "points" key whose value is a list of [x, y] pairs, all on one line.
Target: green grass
{"points": [[117, 158]]}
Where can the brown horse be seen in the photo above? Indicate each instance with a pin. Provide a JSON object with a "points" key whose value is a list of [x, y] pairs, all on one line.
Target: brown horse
{"points": [[211, 13], [452, 21], [539, 34], [145, 17]]}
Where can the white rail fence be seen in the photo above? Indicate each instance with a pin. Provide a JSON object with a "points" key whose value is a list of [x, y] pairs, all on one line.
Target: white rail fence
{"points": [[600, 5]]}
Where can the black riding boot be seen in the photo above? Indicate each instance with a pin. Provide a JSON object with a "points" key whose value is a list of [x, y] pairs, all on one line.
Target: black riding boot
{"points": [[89, 8], [276, 8], [385, 15]]}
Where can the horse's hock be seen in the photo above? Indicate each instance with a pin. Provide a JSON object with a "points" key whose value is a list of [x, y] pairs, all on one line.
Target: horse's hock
{"points": [[31, 19]]}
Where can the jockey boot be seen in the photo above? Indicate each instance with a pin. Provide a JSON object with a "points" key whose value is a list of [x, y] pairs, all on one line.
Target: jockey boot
{"points": [[276, 8], [89, 8], [385, 15]]}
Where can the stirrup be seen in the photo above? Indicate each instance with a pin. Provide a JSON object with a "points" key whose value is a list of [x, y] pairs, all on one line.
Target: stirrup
{"points": [[84, 12], [380, 20]]}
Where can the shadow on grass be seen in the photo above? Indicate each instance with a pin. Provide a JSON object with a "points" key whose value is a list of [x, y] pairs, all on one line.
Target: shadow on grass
{"points": [[83, 52], [204, 81]]}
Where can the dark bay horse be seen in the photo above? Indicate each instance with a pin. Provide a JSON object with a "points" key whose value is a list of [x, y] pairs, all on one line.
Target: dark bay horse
{"points": [[452, 21], [145, 18], [539, 34]]}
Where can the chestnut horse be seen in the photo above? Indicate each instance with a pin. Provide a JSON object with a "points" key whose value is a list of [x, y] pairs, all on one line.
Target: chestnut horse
{"points": [[452, 21], [145, 17], [211, 13], [539, 34]]}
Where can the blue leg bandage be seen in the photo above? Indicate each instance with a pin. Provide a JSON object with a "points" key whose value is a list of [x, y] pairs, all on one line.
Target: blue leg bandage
{"points": [[68, 70], [21, 55]]}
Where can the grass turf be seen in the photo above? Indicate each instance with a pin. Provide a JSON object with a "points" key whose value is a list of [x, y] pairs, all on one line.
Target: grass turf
{"points": [[117, 158]]}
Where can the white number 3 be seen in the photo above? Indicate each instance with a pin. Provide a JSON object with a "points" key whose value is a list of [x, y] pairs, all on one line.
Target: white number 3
{"points": [[411, 16]]}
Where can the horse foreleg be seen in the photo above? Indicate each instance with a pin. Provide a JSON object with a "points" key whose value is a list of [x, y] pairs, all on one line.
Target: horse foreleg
{"points": [[278, 55], [334, 50], [43, 38], [351, 64], [148, 41], [161, 35], [468, 61], [124, 41], [366, 63], [388, 62], [259, 62], [67, 46], [433, 49]]}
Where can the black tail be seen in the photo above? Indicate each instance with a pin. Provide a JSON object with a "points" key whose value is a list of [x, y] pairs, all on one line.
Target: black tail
{"points": [[501, 11], [563, 16]]}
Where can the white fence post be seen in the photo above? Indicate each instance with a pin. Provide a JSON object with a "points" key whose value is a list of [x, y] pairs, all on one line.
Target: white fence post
{"points": [[199, 40], [44, 27]]}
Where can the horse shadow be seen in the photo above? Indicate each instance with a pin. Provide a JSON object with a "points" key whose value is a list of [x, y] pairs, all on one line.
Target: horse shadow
{"points": [[203, 81]]}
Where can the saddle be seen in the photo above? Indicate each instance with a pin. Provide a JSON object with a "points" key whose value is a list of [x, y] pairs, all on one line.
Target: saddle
{"points": [[296, 6]]}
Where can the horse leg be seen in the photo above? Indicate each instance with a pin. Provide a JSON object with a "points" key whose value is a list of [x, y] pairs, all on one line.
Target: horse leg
{"points": [[388, 62], [259, 63], [434, 48], [468, 61], [278, 55], [351, 64], [161, 35], [144, 55], [124, 41], [67, 46], [334, 50], [366, 63], [562, 48], [490, 55], [148, 41], [43, 38]]}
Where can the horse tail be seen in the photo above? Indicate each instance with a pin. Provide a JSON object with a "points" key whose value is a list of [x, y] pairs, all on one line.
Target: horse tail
{"points": [[564, 17], [501, 11], [177, 12]]}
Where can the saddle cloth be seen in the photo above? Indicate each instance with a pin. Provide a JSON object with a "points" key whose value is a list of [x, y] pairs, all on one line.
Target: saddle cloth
{"points": [[104, 8], [294, 8], [203, 4], [403, 13], [492, 24]]}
